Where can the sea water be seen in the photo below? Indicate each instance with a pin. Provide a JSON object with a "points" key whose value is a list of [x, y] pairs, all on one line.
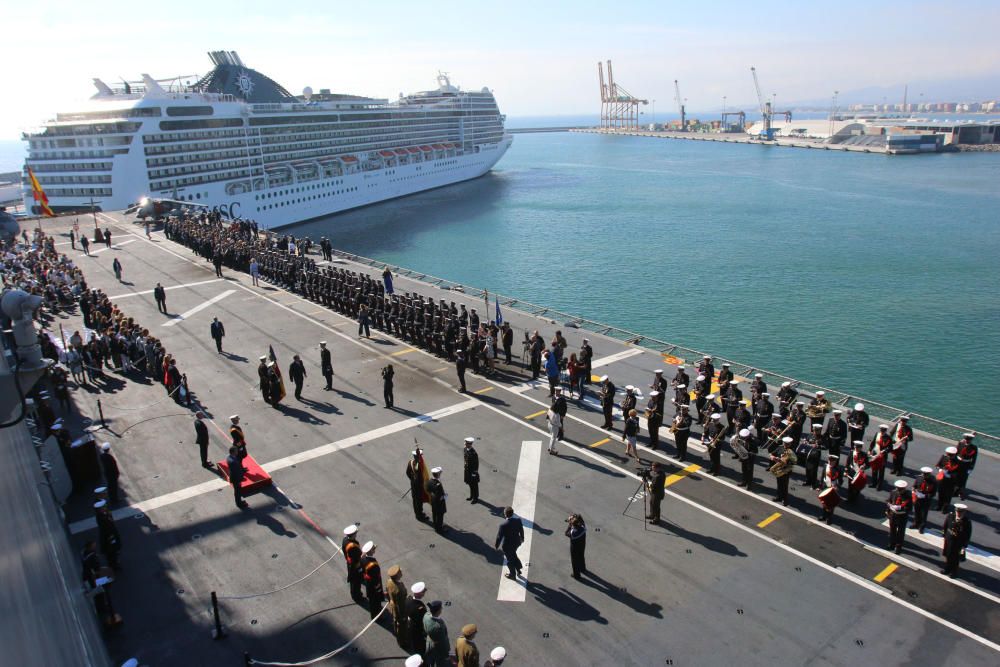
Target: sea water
{"points": [[870, 274]]}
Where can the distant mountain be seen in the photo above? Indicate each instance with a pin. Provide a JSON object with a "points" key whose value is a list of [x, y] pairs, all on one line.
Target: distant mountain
{"points": [[949, 90]]}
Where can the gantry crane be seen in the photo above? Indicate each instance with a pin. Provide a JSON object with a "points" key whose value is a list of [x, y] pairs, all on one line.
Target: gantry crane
{"points": [[766, 112], [739, 114], [619, 108], [680, 105]]}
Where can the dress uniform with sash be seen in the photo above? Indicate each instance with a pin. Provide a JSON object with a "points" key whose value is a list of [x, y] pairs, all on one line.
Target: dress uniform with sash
{"points": [[902, 435], [968, 452], [878, 451], [371, 572], [832, 479], [957, 532], [352, 558], [924, 489], [947, 471], [897, 510]]}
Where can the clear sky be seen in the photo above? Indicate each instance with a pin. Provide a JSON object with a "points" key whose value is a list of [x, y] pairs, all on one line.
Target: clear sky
{"points": [[539, 57]]}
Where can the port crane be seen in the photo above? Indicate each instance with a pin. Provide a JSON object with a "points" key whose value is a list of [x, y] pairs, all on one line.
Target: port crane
{"points": [[619, 108], [680, 105], [766, 112], [742, 122]]}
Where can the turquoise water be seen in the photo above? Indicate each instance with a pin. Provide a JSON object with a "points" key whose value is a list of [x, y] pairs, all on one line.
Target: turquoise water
{"points": [[869, 274]]}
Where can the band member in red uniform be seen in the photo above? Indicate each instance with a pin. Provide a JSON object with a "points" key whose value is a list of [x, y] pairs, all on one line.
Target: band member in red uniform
{"points": [[832, 479], [897, 510], [856, 471], [878, 450], [924, 489], [947, 471], [967, 455], [902, 437], [957, 531]]}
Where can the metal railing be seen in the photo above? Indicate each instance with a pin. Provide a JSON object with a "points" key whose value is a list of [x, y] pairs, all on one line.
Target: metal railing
{"points": [[879, 412]]}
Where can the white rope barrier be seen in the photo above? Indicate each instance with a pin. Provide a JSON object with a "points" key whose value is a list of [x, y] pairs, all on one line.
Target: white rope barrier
{"points": [[325, 656], [285, 587]]}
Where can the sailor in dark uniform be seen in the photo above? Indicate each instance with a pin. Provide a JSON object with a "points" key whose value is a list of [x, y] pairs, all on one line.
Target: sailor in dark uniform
{"points": [[857, 422], [654, 418], [957, 532], [607, 401], [763, 409], [682, 431], [836, 434], [439, 505], [471, 469], [897, 510], [265, 383]]}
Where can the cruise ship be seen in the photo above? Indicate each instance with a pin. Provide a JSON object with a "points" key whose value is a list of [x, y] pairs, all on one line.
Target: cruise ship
{"points": [[237, 140]]}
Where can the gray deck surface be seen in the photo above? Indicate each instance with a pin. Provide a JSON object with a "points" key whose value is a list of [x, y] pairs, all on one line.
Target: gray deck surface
{"points": [[709, 587]]}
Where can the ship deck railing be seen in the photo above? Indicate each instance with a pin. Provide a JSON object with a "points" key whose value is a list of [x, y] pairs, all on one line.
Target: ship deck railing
{"points": [[878, 411]]}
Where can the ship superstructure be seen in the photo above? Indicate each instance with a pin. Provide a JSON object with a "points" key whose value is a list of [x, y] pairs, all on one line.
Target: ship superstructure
{"points": [[238, 140]]}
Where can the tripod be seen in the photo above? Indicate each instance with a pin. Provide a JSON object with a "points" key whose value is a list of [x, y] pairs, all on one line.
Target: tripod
{"points": [[645, 511]]}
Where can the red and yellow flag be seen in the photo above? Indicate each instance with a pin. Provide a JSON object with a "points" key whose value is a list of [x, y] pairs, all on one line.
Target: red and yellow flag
{"points": [[40, 199]]}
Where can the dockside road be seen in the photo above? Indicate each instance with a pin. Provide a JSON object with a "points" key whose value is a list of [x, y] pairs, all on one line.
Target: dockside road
{"points": [[731, 575], [736, 138]]}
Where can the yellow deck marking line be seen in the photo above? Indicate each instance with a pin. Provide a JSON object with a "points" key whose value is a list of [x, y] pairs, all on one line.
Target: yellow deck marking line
{"points": [[402, 352], [884, 574], [676, 477], [483, 390], [601, 442], [440, 370], [535, 414], [317, 312], [769, 520]]}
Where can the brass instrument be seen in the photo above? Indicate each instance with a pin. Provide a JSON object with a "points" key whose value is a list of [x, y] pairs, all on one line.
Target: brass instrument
{"points": [[776, 439], [783, 464], [817, 410], [715, 441], [740, 448], [675, 424]]}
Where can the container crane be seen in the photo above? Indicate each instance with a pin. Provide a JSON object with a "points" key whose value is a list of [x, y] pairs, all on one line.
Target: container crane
{"points": [[619, 108], [766, 112], [680, 105]]}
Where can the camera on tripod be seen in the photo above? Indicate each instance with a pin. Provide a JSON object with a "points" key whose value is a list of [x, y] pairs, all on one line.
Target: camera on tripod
{"points": [[645, 472]]}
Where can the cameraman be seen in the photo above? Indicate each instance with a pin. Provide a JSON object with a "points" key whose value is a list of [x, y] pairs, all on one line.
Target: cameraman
{"points": [[656, 481], [576, 531]]}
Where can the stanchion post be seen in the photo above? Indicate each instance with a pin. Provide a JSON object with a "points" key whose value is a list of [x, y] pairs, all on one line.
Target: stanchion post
{"points": [[100, 411], [217, 632]]}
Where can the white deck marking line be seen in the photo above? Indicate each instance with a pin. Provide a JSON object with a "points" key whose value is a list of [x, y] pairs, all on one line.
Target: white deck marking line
{"points": [[525, 491], [612, 358], [114, 246], [197, 309], [149, 291], [912, 564], [278, 464], [845, 574], [935, 538]]}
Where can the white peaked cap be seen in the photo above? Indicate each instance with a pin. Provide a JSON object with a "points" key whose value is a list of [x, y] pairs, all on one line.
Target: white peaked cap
{"points": [[499, 653], [900, 484], [418, 588], [414, 661], [368, 546], [351, 530], [744, 433]]}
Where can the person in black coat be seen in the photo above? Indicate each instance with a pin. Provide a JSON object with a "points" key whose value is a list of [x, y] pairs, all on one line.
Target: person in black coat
{"points": [[510, 536], [297, 374], [471, 470], [326, 365], [507, 339], [657, 487], [388, 373], [439, 505], [576, 531], [217, 330], [607, 401], [161, 298], [957, 532], [201, 438], [236, 474], [111, 472], [460, 368], [107, 534]]}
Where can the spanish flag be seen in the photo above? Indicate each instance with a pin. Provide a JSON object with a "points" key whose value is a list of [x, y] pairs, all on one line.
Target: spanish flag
{"points": [[40, 199]]}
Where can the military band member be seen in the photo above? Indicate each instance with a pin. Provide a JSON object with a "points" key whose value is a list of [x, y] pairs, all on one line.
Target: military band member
{"points": [[732, 398], [711, 438], [947, 472], [656, 486], [711, 407], [757, 389], [628, 401], [902, 435], [659, 383], [371, 572], [654, 418], [878, 451], [924, 489], [856, 467], [681, 397], [836, 433], [743, 418], [832, 474], [857, 422], [781, 467], [265, 380], [763, 409], [797, 420], [725, 379], [773, 433], [607, 401], [818, 407], [898, 512], [439, 506], [786, 396], [680, 378], [702, 387], [471, 470], [682, 431], [706, 368], [832, 479], [968, 452], [811, 455], [326, 365], [352, 557], [957, 531], [741, 445]]}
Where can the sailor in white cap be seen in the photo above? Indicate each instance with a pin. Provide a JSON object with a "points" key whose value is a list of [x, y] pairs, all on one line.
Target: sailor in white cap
{"points": [[782, 462], [415, 611], [878, 454], [470, 470], [107, 534], [659, 382], [968, 452], [724, 379], [607, 401], [371, 574], [901, 437], [351, 549], [497, 656], [264, 382], [836, 433], [786, 397], [924, 489], [414, 661], [947, 472], [897, 509], [681, 397], [712, 406], [628, 401], [957, 532], [763, 409], [654, 418], [680, 377], [857, 422], [681, 428], [757, 387], [439, 506], [111, 474], [742, 447], [712, 438], [586, 358], [702, 387], [819, 406]]}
